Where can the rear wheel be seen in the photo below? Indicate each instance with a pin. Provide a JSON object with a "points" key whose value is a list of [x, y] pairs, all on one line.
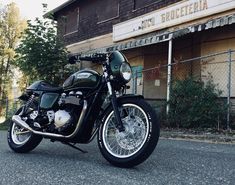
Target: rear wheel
{"points": [[134, 145], [21, 140]]}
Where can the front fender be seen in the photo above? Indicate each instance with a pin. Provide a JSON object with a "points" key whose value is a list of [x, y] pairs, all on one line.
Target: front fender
{"points": [[119, 100], [129, 96]]}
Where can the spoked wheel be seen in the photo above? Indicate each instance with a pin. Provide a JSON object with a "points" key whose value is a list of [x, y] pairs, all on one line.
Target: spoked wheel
{"points": [[127, 143], [21, 140], [19, 135], [137, 142]]}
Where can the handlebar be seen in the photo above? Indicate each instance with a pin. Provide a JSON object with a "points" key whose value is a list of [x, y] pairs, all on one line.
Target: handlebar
{"points": [[95, 58]]}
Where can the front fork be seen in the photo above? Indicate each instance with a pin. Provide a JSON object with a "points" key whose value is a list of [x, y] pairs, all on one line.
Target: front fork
{"points": [[113, 97], [119, 123]]}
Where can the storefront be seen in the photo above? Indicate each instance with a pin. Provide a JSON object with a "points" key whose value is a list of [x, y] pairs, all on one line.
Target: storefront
{"points": [[181, 31]]}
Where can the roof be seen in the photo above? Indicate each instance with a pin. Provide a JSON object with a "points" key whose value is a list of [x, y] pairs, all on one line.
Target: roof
{"points": [[57, 9]]}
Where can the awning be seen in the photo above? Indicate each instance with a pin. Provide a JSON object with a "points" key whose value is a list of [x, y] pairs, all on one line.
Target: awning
{"points": [[141, 42], [165, 36], [214, 23]]}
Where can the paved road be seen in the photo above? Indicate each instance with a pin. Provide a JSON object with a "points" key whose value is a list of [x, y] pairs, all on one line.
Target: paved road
{"points": [[173, 162]]}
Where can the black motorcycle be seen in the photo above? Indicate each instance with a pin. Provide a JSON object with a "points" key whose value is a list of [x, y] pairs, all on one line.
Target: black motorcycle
{"points": [[87, 104]]}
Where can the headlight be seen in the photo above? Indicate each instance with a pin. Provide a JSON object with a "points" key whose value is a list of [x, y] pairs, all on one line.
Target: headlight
{"points": [[121, 69], [125, 71]]}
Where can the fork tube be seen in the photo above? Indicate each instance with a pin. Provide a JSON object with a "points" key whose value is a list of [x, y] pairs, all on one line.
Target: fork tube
{"points": [[112, 94]]}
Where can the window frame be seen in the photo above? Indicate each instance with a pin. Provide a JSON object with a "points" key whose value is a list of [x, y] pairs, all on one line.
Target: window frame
{"points": [[136, 9], [112, 18], [77, 23]]}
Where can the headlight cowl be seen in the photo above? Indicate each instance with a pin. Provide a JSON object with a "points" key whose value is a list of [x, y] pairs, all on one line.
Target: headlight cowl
{"points": [[120, 68]]}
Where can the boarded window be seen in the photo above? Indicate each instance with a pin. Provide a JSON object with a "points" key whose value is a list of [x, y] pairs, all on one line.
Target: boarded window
{"points": [[141, 3], [72, 21], [106, 11]]}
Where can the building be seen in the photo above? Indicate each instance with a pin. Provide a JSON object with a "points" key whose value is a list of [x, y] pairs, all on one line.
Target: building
{"points": [[153, 33]]}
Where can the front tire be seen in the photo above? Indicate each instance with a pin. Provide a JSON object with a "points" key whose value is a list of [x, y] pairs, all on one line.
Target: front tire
{"points": [[20, 140], [137, 142]]}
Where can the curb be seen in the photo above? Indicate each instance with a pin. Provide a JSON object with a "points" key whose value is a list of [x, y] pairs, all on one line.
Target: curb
{"points": [[205, 137]]}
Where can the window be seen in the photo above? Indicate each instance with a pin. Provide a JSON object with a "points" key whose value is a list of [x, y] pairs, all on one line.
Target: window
{"points": [[106, 11], [140, 3], [137, 71], [71, 21]]}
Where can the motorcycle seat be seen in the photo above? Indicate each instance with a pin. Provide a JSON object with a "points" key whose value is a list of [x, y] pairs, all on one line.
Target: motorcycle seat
{"points": [[44, 86]]}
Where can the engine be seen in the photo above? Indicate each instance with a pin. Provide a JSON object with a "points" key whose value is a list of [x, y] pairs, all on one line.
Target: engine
{"points": [[70, 106], [63, 119]]}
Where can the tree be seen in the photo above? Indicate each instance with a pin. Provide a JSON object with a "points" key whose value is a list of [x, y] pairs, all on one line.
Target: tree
{"points": [[11, 28], [41, 54]]}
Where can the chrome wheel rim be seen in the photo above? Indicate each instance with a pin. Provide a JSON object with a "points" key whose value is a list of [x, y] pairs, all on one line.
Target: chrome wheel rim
{"points": [[19, 135], [126, 144]]}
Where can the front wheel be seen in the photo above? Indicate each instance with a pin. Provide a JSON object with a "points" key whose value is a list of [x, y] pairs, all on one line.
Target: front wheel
{"points": [[134, 145]]}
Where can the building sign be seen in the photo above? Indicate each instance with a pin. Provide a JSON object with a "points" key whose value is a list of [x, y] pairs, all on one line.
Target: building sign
{"points": [[170, 16]]}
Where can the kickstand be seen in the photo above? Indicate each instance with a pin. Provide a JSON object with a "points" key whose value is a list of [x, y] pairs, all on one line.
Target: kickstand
{"points": [[73, 146]]}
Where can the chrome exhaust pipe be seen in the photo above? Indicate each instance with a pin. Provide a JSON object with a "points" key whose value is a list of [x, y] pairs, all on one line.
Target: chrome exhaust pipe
{"points": [[17, 119]]}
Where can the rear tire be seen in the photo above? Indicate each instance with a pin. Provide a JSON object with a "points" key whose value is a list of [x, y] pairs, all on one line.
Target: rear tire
{"points": [[21, 143], [134, 145]]}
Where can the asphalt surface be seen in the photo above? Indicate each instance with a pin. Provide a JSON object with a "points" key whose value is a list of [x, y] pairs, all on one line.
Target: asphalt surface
{"points": [[173, 162]]}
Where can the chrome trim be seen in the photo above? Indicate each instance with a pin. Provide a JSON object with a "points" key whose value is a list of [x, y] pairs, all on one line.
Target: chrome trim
{"points": [[106, 76], [23, 132], [81, 118], [109, 88], [17, 119]]}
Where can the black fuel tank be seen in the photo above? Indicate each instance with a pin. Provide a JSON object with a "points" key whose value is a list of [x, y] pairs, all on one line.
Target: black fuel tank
{"points": [[84, 79]]}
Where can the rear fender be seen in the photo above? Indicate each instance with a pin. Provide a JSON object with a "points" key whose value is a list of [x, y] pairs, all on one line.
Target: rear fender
{"points": [[24, 97]]}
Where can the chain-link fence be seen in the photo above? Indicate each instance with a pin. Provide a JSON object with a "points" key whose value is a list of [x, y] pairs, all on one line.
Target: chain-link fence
{"points": [[201, 91]]}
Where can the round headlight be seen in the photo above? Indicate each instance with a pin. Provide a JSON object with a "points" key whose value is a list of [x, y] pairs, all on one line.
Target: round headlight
{"points": [[125, 71]]}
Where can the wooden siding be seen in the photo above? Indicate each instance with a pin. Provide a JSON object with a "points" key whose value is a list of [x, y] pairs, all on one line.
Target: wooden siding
{"points": [[94, 22]]}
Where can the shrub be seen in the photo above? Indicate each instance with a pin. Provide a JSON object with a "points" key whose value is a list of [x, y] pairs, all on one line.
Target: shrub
{"points": [[5, 125], [195, 104]]}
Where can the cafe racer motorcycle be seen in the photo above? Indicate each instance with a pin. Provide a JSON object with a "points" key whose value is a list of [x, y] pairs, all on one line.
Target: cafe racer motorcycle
{"points": [[87, 104]]}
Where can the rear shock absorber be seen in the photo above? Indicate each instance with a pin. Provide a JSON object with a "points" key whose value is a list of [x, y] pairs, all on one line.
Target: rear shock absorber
{"points": [[28, 104]]}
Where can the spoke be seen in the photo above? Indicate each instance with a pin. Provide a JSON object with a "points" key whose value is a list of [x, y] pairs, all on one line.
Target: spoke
{"points": [[112, 121], [119, 150], [131, 113], [112, 142], [130, 141]]}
